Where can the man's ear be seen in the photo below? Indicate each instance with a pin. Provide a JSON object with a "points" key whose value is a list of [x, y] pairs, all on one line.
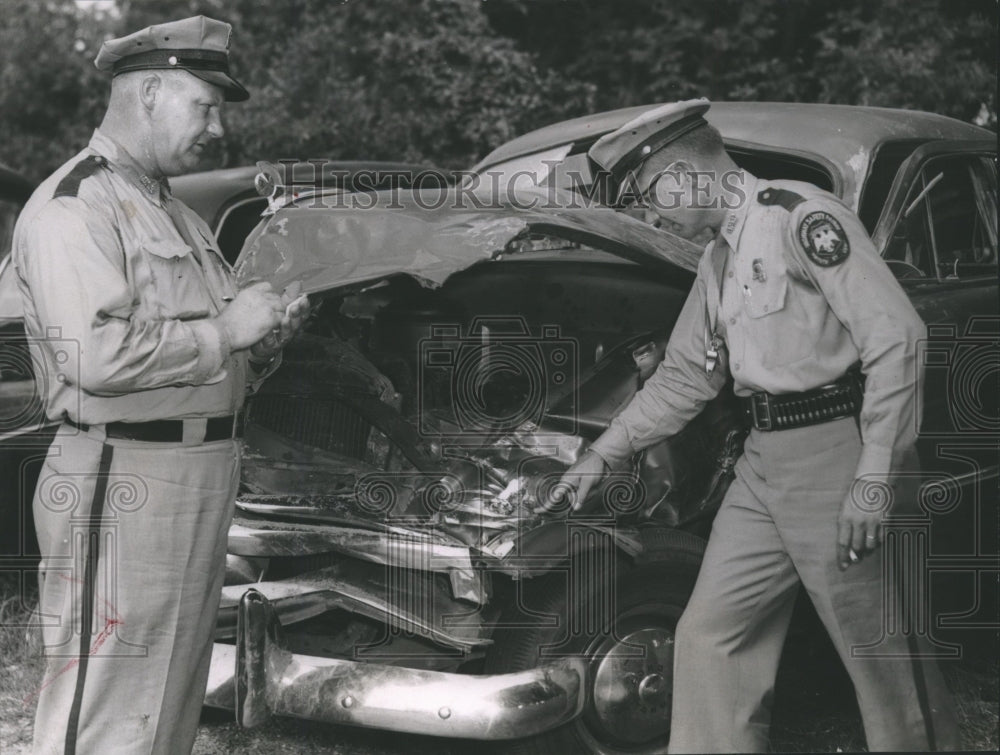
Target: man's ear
{"points": [[682, 169], [672, 185], [149, 89]]}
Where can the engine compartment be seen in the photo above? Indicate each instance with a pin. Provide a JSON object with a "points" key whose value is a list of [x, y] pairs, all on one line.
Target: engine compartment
{"points": [[456, 409]]}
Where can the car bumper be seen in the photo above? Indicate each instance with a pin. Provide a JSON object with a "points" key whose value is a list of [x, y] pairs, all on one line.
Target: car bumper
{"points": [[258, 678]]}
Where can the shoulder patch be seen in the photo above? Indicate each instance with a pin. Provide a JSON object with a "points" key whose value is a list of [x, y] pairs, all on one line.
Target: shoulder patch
{"points": [[787, 199], [823, 238], [69, 186]]}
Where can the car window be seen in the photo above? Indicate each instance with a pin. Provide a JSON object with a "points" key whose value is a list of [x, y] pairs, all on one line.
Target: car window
{"points": [[948, 227], [774, 166], [888, 159]]}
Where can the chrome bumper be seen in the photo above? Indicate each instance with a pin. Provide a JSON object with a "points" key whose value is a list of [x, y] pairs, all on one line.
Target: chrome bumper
{"points": [[259, 678]]}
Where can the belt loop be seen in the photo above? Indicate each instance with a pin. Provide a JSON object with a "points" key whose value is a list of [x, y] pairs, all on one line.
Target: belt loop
{"points": [[194, 431], [94, 432]]}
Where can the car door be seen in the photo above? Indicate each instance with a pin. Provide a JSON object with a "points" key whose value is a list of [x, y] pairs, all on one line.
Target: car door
{"points": [[938, 233]]}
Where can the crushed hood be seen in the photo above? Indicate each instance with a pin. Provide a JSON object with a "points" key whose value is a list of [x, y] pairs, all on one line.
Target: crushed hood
{"points": [[336, 240]]}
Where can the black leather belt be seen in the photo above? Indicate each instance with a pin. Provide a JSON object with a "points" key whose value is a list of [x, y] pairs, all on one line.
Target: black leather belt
{"points": [[170, 430], [769, 411]]}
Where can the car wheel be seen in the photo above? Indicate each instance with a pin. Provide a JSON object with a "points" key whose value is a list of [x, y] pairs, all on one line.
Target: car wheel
{"points": [[622, 621]]}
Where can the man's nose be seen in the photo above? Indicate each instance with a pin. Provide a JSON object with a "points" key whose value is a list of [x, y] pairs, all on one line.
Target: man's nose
{"points": [[215, 128]]}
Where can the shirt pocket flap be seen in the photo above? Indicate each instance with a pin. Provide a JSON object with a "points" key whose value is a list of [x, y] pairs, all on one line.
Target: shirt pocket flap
{"points": [[768, 297], [166, 248]]}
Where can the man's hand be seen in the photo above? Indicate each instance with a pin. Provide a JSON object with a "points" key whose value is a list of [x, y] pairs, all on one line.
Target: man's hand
{"points": [[254, 313], [296, 312], [575, 483], [859, 530]]}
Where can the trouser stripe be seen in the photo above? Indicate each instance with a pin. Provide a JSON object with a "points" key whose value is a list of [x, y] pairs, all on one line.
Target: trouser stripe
{"points": [[920, 682], [93, 553]]}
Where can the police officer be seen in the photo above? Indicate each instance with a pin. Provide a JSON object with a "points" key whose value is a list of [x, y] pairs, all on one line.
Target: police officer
{"points": [[788, 299], [145, 348]]}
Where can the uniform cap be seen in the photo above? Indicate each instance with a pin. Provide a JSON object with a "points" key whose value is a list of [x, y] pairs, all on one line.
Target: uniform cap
{"points": [[621, 152], [199, 45]]}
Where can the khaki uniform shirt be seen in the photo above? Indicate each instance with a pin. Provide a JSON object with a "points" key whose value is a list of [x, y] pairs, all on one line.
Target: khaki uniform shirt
{"points": [[795, 313], [118, 281]]}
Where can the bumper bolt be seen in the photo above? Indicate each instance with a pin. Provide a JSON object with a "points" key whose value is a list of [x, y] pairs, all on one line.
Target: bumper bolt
{"points": [[445, 712], [347, 702]]}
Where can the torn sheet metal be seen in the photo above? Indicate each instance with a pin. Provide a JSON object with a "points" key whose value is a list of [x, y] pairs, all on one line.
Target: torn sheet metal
{"points": [[333, 241]]}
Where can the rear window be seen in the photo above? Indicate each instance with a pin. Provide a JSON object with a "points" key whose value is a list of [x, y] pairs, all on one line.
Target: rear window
{"points": [[773, 166]]}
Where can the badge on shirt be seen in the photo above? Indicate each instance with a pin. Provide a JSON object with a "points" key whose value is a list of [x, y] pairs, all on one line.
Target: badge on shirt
{"points": [[824, 239]]}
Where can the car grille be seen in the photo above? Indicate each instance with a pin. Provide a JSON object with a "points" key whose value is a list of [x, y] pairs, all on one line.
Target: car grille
{"points": [[330, 424]]}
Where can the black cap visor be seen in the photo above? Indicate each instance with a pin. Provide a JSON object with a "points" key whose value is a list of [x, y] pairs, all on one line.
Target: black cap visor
{"points": [[233, 90], [207, 65]]}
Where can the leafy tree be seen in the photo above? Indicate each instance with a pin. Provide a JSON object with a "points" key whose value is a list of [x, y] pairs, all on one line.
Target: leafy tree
{"points": [[417, 80], [51, 96], [921, 54], [444, 81], [936, 55]]}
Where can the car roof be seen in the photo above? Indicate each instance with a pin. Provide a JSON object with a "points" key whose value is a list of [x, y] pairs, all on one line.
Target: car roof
{"points": [[834, 131], [842, 137]]}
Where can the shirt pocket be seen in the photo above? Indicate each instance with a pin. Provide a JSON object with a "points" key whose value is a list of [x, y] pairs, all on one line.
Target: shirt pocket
{"points": [[766, 299], [776, 336], [175, 289]]}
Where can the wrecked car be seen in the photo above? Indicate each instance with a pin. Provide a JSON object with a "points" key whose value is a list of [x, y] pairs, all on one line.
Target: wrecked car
{"points": [[387, 539], [387, 566]]}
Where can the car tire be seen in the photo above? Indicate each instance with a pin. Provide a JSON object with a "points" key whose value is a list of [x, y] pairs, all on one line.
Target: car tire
{"points": [[622, 620]]}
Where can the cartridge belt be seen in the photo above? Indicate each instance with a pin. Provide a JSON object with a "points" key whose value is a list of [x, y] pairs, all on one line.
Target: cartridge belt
{"points": [[769, 411]]}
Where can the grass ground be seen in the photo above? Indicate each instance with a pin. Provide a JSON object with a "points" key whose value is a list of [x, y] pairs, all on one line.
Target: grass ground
{"points": [[814, 706]]}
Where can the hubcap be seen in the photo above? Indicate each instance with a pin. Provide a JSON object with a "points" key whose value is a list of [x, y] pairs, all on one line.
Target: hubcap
{"points": [[632, 685]]}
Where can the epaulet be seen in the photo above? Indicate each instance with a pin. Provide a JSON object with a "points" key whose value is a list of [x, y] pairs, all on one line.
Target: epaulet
{"points": [[69, 186], [787, 199]]}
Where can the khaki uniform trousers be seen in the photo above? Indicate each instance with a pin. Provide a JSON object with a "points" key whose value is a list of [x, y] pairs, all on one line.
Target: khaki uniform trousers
{"points": [[133, 542], [777, 527]]}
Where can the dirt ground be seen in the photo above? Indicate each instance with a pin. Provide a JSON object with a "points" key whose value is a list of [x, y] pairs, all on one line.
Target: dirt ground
{"points": [[814, 706]]}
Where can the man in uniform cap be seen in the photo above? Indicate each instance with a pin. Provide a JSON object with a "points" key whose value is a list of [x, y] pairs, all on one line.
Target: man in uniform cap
{"points": [[789, 299], [145, 349]]}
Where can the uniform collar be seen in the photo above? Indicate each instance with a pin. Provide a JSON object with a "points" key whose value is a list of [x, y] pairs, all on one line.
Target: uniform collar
{"points": [[732, 224], [156, 190]]}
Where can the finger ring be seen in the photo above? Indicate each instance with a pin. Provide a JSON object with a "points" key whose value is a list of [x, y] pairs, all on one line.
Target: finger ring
{"points": [[869, 537]]}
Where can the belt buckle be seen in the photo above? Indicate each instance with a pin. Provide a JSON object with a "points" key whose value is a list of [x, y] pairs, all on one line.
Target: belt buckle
{"points": [[760, 410]]}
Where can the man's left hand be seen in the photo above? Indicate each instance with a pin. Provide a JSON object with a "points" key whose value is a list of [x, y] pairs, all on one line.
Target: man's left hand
{"points": [[296, 313]]}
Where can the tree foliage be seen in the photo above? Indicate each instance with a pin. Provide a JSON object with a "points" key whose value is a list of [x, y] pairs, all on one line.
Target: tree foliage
{"points": [[444, 81]]}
